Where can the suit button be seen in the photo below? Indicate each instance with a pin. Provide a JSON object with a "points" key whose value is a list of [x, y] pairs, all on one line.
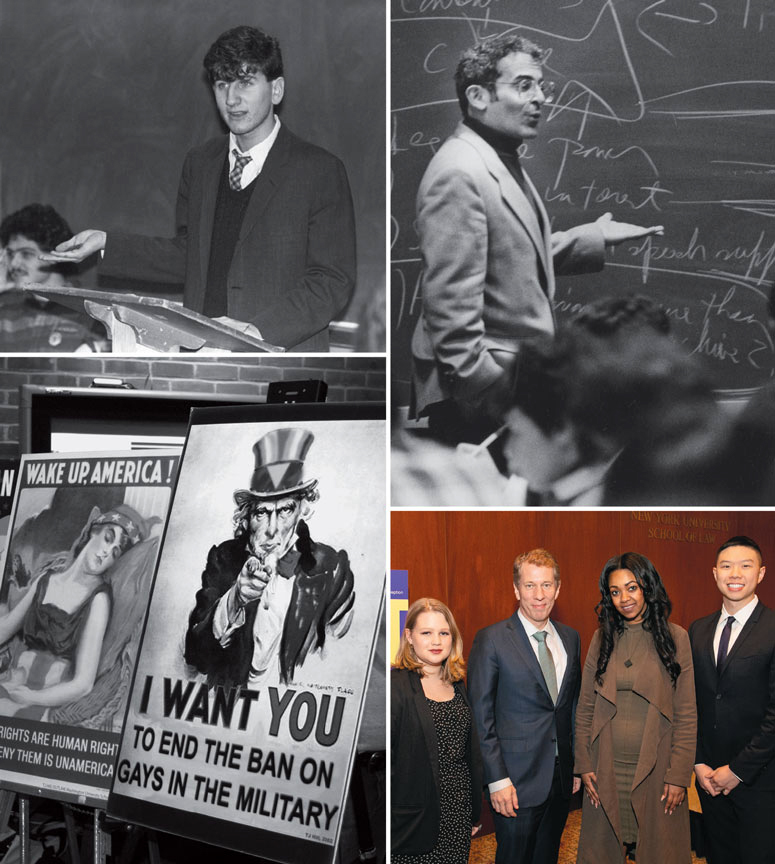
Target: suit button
{"points": [[718, 695]]}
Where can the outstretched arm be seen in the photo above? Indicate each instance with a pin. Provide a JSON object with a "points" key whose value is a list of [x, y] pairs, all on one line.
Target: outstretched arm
{"points": [[615, 233], [77, 248], [133, 256]]}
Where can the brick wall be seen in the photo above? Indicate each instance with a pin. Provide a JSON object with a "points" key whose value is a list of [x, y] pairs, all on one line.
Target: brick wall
{"points": [[349, 379]]}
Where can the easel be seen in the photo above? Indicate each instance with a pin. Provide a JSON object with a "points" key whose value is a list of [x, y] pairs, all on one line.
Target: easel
{"points": [[101, 840], [365, 763], [100, 837]]}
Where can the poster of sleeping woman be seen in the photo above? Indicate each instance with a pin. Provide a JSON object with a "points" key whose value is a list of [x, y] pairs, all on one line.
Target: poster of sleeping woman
{"points": [[76, 575]]}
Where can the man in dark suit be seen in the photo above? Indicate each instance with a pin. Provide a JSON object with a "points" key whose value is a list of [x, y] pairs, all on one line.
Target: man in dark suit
{"points": [[489, 254], [267, 602], [734, 672], [523, 679], [265, 237]]}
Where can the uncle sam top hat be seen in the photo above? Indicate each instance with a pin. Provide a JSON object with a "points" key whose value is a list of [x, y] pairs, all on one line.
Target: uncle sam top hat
{"points": [[279, 465]]}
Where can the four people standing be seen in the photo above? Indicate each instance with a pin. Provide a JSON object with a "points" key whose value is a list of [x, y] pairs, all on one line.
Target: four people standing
{"points": [[637, 738]]}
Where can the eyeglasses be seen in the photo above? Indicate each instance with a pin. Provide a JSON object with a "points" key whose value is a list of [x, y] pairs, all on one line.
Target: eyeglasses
{"points": [[527, 88]]}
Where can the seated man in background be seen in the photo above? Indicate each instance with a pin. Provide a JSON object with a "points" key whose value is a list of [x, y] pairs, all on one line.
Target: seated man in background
{"points": [[563, 450], [615, 413], [563, 461], [265, 234], [29, 323]]}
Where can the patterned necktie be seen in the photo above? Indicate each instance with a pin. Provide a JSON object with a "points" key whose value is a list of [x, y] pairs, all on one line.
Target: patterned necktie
{"points": [[546, 661], [723, 644], [235, 175]]}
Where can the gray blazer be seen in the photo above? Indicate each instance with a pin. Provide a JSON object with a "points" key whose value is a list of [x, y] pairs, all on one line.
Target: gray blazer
{"points": [[489, 262]]}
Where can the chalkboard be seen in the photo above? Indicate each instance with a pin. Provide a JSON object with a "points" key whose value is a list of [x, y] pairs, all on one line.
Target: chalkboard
{"points": [[664, 114], [100, 101]]}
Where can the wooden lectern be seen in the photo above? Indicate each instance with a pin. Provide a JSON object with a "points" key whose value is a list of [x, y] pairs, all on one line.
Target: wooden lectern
{"points": [[138, 325]]}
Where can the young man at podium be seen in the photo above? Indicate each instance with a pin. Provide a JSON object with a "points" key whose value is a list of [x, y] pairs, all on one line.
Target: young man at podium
{"points": [[265, 236]]}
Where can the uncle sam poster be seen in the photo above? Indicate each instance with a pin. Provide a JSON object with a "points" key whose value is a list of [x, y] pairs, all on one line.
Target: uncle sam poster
{"points": [[250, 681]]}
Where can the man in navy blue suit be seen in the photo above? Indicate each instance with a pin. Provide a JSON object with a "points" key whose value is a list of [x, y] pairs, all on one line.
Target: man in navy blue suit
{"points": [[734, 674], [523, 678]]}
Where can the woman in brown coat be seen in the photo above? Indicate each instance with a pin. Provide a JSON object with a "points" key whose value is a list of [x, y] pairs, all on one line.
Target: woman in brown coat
{"points": [[636, 723]]}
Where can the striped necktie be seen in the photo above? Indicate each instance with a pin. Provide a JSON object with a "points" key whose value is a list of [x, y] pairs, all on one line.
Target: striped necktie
{"points": [[235, 175]]}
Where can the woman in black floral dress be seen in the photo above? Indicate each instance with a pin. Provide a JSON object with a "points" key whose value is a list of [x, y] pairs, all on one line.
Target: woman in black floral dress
{"points": [[436, 774]]}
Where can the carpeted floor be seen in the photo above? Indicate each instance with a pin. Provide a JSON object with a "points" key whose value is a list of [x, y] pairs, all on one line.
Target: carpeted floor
{"points": [[483, 848]]}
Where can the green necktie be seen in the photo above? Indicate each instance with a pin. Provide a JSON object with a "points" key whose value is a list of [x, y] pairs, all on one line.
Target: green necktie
{"points": [[546, 661]]}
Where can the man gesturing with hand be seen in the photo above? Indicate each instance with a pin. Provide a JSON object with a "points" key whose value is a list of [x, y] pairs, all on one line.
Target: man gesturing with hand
{"points": [[271, 595]]}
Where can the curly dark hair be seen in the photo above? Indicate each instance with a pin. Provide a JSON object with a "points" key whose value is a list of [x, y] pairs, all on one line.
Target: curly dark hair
{"points": [[655, 619], [38, 222], [609, 315], [479, 65], [241, 52]]}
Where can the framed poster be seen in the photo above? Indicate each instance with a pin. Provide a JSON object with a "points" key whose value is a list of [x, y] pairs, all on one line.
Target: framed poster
{"points": [[9, 470], [84, 535], [249, 687]]}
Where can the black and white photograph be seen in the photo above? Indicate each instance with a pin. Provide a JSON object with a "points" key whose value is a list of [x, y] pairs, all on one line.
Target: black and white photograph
{"points": [[582, 244], [229, 157], [251, 679], [77, 572]]}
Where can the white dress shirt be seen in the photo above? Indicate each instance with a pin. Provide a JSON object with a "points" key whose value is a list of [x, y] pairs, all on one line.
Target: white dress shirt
{"points": [[560, 657], [741, 618], [257, 155]]}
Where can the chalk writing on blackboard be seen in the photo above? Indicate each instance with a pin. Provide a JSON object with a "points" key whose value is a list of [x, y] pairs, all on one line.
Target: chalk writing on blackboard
{"points": [[663, 112]]}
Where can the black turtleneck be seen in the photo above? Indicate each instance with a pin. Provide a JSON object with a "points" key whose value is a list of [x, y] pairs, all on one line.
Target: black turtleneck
{"points": [[499, 141], [506, 148]]}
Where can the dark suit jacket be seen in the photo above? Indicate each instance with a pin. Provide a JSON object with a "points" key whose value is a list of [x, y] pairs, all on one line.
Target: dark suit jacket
{"points": [[516, 720], [322, 596], [293, 268], [736, 706], [415, 813]]}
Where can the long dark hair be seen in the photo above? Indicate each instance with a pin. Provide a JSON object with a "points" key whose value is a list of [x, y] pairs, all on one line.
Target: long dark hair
{"points": [[658, 608]]}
